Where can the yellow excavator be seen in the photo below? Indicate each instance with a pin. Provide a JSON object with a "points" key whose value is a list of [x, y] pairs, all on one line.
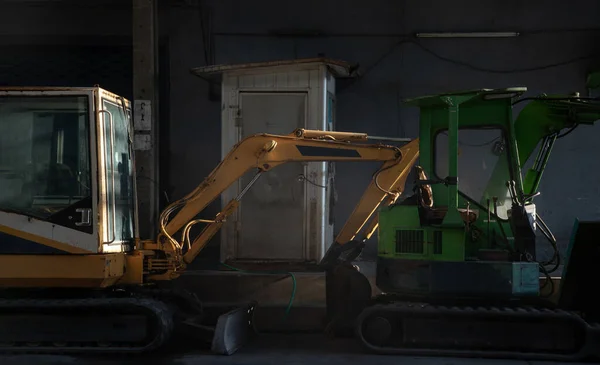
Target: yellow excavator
{"points": [[74, 273]]}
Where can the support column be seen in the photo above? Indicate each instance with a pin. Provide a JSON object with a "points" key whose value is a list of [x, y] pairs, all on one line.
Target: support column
{"points": [[452, 218], [145, 113]]}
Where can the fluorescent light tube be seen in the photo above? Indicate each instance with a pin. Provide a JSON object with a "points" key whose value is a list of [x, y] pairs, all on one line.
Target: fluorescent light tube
{"points": [[469, 35]]}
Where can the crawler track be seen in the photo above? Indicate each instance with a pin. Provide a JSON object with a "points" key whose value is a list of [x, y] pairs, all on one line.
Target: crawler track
{"points": [[88, 325], [523, 332]]}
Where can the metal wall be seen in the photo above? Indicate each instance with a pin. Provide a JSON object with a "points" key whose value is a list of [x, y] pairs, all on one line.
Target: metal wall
{"points": [[366, 32], [63, 65], [369, 33], [74, 43], [66, 43]]}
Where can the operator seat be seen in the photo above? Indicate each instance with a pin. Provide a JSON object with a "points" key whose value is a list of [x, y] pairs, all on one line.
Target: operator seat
{"points": [[435, 215], [424, 191]]}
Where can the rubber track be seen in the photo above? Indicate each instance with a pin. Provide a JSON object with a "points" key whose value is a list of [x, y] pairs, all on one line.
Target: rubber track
{"points": [[589, 349], [161, 312]]}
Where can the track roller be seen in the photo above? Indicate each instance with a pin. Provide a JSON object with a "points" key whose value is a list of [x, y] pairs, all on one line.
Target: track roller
{"points": [[90, 325], [528, 333]]}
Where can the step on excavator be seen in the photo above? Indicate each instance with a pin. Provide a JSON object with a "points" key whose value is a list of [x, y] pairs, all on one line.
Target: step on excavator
{"points": [[75, 277], [458, 263]]}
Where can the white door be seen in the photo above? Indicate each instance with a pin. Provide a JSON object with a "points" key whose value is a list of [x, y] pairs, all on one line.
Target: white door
{"points": [[272, 213]]}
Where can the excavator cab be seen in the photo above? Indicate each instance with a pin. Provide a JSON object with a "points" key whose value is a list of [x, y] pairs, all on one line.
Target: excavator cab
{"points": [[457, 239], [457, 262], [475, 228], [66, 172], [69, 247]]}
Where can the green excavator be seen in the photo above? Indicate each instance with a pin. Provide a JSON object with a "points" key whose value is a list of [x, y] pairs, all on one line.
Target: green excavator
{"points": [[457, 261]]}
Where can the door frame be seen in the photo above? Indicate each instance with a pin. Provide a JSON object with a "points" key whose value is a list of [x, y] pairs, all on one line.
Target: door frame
{"points": [[108, 245]]}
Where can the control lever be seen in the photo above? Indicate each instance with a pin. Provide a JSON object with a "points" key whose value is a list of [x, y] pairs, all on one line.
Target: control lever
{"points": [[530, 196], [512, 190]]}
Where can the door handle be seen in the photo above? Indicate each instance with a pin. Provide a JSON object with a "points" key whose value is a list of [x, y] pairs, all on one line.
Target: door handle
{"points": [[86, 217]]}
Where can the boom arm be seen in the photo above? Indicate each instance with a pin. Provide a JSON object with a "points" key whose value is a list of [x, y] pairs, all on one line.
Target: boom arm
{"points": [[264, 152], [542, 120]]}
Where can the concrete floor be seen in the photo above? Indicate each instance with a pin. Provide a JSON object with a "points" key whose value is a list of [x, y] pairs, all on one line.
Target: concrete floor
{"points": [[269, 350]]}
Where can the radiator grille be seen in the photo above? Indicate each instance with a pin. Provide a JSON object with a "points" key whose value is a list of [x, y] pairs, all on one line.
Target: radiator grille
{"points": [[409, 241]]}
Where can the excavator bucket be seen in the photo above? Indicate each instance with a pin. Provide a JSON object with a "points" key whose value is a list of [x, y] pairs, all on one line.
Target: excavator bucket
{"points": [[226, 329], [232, 331], [348, 293]]}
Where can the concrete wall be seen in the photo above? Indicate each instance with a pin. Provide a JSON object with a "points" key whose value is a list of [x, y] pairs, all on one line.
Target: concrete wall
{"points": [[393, 72], [66, 43], [62, 21]]}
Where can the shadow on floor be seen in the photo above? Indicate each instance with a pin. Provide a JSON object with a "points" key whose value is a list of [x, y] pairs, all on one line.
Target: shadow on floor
{"points": [[267, 349]]}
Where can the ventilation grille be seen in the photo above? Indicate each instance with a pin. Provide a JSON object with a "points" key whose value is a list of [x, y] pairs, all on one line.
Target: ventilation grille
{"points": [[437, 242], [409, 241]]}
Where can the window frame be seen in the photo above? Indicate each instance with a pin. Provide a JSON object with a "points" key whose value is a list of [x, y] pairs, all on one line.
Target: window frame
{"points": [[504, 132]]}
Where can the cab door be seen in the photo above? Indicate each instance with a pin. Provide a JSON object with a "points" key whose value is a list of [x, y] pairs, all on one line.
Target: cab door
{"points": [[117, 173]]}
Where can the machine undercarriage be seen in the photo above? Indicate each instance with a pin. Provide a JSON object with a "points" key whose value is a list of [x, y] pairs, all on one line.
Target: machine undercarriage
{"points": [[499, 331], [111, 322], [531, 328]]}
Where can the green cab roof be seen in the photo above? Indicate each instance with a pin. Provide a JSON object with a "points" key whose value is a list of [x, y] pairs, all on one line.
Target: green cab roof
{"points": [[463, 97]]}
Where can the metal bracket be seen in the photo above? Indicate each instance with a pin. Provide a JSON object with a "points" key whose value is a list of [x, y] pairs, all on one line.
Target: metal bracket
{"points": [[450, 180], [142, 115]]}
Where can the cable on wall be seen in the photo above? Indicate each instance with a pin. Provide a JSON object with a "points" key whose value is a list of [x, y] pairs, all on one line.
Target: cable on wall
{"points": [[506, 71], [592, 55]]}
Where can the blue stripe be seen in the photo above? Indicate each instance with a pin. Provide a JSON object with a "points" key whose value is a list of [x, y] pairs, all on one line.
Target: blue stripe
{"points": [[314, 151], [10, 244]]}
